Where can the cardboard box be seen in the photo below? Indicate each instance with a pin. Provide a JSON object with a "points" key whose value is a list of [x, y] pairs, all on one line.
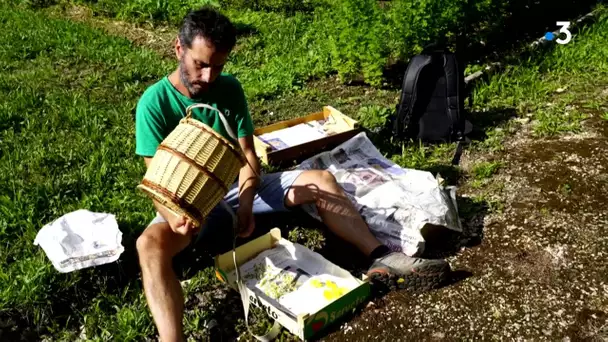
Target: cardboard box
{"points": [[304, 326], [343, 126]]}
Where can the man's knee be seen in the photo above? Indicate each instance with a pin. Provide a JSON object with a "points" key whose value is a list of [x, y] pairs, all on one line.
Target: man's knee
{"points": [[158, 243], [150, 246], [311, 186], [326, 179], [145, 244]]}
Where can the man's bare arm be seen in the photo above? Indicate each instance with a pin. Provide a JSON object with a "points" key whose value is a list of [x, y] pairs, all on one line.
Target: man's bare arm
{"points": [[248, 180]]}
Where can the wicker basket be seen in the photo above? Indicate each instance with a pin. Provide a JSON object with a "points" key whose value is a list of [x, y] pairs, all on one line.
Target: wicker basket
{"points": [[193, 168]]}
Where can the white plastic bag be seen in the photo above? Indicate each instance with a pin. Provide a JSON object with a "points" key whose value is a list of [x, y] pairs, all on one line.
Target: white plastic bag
{"points": [[81, 239]]}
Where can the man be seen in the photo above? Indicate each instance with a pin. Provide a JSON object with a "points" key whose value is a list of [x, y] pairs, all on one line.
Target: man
{"points": [[203, 45]]}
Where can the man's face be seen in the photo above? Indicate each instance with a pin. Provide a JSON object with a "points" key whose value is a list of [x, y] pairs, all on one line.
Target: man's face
{"points": [[199, 65]]}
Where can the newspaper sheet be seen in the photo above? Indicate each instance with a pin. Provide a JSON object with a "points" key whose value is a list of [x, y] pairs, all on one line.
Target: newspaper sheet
{"points": [[296, 279], [395, 202]]}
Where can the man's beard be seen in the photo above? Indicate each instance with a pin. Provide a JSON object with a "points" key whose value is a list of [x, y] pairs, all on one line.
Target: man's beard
{"points": [[184, 76]]}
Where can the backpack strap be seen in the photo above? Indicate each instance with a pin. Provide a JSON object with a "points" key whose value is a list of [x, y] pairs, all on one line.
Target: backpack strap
{"points": [[452, 77], [457, 153], [453, 89], [408, 93]]}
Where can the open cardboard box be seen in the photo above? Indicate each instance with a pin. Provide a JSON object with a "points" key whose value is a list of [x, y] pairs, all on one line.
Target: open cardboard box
{"points": [[344, 128], [304, 326]]}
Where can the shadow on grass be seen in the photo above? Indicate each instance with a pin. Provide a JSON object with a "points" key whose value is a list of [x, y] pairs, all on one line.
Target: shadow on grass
{"points": [[442, 242], [494, 117], [483, 121], [500, 35], [450, 173], [522, 21], [15, 327], [200, 255], [222, 310], [244, 29], [420, 155]]}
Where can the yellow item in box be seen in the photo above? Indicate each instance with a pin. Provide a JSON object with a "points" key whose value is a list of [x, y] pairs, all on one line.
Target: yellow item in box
{"points": [[307, 325]]}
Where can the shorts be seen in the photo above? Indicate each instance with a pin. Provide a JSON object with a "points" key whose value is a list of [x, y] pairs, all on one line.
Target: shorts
{"points": [[270, 198]]}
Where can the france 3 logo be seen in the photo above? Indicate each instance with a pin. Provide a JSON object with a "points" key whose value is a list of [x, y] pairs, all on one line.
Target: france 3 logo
{"points": [[564, 29]]}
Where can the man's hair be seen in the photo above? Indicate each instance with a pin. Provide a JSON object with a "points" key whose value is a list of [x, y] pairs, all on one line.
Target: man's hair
{"points": [[211, 25]]}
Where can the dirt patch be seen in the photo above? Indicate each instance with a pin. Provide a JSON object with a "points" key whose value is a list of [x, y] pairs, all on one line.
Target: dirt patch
{"points": [[539, 272], [568, 174], [590, 325]]}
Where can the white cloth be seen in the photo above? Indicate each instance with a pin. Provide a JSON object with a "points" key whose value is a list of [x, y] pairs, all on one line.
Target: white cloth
{"points": [[81, 239]]}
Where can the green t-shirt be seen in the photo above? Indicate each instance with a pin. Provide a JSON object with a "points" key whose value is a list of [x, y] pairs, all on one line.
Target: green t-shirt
{"points": [[161, 107]]}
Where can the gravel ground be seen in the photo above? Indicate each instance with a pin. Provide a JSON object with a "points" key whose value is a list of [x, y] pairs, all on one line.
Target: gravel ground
{"points": [[540, 271]]}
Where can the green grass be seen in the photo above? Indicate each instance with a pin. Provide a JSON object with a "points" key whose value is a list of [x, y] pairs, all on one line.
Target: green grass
{"points": [[66, 143], [374, 117], [565, 189], [485, 170], [482, 172], [605, 116], [68, 93]]}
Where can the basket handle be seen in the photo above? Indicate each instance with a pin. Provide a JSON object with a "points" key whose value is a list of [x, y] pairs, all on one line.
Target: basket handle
{"points": [[226, 126], [222, 117]]}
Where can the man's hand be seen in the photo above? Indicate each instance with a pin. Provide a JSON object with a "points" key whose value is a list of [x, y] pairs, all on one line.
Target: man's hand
{"points": [[246, 221], [182, 226]]}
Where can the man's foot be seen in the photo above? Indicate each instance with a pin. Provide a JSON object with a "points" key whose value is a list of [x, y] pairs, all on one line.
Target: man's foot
{"points": [[399, 271]]}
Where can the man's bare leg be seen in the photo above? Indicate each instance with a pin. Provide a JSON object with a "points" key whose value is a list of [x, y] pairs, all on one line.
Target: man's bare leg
{"points": [[336, 210], [393, 269], [156, 247]]}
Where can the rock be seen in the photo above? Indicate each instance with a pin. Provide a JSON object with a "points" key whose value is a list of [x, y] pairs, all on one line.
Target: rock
{"points": [[438, 335], [212, 323], [83, 333], [202, 299]]}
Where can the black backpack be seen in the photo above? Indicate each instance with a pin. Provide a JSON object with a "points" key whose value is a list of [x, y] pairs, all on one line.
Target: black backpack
{"points": [[431, 107]]}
